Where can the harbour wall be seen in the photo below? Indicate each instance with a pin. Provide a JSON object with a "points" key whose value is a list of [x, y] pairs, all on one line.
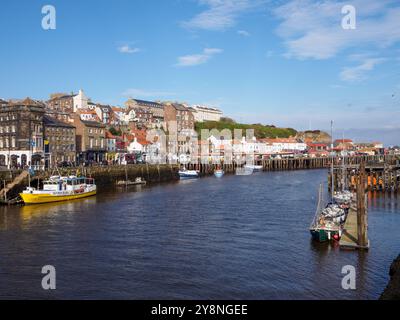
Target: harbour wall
{"points": [[107, 176]]}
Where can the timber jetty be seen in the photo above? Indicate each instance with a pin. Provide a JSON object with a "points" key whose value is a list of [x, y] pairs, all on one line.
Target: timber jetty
{"points": [[382, 173]]}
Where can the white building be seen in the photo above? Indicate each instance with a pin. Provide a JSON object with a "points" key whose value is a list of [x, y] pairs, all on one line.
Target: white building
{"points": [[136, 146], [80, 101], [279, 145], [88, 116], [119, 115], [202, 113]]}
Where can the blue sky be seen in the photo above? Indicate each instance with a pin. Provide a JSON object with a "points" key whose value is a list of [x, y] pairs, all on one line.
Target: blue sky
{"points": [[288, 63]]}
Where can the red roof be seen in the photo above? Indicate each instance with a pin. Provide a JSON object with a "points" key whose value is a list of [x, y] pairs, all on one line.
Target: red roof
{"points": [[343, 141]]}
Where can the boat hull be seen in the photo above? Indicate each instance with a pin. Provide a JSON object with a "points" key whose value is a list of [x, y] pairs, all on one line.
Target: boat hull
{"points": [[321, 235], [219, 174], [32, 198], [187, 176]]}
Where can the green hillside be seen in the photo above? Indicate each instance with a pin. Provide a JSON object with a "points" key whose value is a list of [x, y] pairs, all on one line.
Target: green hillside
{"points": [[260, 131]]}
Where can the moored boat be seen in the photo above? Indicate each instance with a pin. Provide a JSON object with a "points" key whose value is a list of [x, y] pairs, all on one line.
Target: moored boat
{"points": [[60, 189], [245, 171], [138, 181], [188, 174], [219, 173], [255, 168]]}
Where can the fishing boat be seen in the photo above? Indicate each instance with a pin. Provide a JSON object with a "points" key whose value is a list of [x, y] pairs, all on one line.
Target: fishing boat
{"points": [[188, 174], [219, 173], [326, 224], [60, 189]]}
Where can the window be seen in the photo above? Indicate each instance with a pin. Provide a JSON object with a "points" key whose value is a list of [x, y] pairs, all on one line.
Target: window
{"points": [[13, 142]]}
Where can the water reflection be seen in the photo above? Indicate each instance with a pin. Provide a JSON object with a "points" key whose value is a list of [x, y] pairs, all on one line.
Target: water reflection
{"points": [[230, 238]]}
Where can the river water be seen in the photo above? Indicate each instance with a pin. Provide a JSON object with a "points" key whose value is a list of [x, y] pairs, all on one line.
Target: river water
{"points": [[240, 237]]}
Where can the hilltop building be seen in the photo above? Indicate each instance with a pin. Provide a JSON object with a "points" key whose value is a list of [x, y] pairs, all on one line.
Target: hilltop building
{"points": [[203, 113]]}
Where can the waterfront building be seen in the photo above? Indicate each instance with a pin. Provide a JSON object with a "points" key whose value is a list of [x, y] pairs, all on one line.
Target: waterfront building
{"points": [[138, 145], [203, 113], [279, 145], [21, 134], [90, 140], [343, 144], [317, 149], [59, 141]]}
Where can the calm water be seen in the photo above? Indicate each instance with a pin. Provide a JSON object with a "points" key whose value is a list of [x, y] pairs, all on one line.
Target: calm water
{"points": [[235, 238]]}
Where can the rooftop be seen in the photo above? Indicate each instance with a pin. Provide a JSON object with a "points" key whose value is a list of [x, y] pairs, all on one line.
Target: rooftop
{"points": [[51, 122]]}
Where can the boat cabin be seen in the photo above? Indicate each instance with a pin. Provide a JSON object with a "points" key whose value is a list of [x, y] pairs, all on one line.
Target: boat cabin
{"points": [[67, 183]]}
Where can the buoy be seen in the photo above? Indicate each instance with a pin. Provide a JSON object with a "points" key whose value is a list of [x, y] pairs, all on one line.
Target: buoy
{"points": [[336, 237]]}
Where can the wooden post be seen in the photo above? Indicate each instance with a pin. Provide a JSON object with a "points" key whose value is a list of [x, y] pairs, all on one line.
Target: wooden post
{"points": [[361, 210]]}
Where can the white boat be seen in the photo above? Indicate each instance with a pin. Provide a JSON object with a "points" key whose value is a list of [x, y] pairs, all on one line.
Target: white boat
{"points": [[244, 171], [60, 189], [188, 174], [253, 167], [219, 173]]}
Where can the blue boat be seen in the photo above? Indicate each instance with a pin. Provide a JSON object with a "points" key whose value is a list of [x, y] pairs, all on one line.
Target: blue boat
{"points": [[219, 173]]}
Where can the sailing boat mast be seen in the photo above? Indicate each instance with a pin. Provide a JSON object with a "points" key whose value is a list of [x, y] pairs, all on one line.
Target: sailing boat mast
{"points": [[332, 177], [344, 152]]}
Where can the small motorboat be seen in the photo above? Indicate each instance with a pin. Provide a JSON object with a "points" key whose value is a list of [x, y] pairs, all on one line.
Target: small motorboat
{"points": [[188, 174], [219, 173], [244, 171], [255, 168], [138, 181]]}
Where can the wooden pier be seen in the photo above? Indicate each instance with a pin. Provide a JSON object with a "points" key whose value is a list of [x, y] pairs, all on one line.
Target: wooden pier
{"points": [[355, 231], [349, 239], [383, 174]]}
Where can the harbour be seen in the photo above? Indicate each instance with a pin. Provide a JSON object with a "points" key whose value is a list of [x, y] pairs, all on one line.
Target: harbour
{"points": [[247, 239]]}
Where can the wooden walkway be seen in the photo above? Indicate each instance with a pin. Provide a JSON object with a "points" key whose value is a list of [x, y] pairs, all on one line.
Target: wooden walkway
{"points": [[349, 239]]}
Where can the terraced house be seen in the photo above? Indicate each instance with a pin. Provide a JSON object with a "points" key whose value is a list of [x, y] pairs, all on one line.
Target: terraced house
{"points": [[21, 133], [90, 140], [60, 143]]}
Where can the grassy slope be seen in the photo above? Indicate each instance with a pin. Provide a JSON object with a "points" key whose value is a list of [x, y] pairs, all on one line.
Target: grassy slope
{"points": [[260, 131]]}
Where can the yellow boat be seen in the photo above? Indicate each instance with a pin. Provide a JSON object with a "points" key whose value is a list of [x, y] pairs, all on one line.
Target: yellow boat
{"points": [[60, 189]]}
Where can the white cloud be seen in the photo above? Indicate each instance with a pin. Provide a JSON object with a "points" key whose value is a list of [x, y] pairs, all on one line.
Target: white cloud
{"points": [[312, 30], [128, 49], [196, 59], [358, 73], [243, 33], [220, 14], [140, 93]]}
